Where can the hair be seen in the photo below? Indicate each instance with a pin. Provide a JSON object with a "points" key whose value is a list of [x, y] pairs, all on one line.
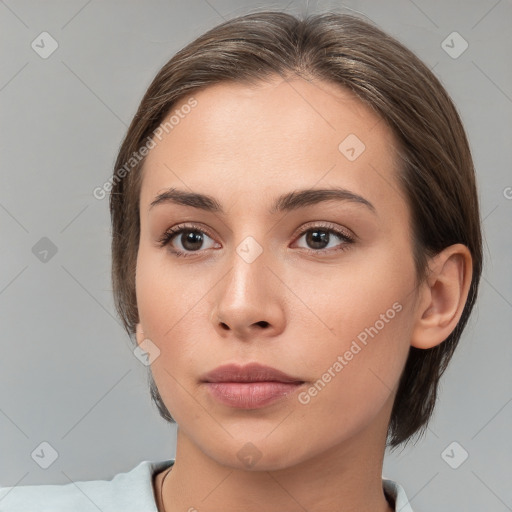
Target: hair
{"points": [[436, 173]]}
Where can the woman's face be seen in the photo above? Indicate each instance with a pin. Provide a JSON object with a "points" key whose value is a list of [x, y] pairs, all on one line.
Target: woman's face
{"points": [[318, 286]]}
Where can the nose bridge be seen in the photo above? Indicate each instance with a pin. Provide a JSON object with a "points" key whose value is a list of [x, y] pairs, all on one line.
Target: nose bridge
{"points": [[248, 297], [247, 282]]}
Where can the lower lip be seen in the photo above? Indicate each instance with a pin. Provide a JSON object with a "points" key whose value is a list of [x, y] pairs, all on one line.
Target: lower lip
{"points": [[250, 395]]}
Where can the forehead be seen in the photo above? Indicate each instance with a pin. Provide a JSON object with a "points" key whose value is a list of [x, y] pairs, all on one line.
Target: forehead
{"points": [[268, 135]]}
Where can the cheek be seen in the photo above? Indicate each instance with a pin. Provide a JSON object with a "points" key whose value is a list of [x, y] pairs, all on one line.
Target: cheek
{"points": [[366, 313], [356, 375], [171, 313], [164, 295]]}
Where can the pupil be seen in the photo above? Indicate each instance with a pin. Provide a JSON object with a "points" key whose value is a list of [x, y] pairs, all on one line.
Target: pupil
{"points": [[192, 237], [318, 239]]}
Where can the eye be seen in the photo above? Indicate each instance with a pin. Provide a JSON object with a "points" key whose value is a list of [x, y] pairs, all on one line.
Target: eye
{"points": [[322, 238], [191, 239]]}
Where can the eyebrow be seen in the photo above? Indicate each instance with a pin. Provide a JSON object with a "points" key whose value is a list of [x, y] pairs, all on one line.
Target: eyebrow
{"points": [[286, 202]]}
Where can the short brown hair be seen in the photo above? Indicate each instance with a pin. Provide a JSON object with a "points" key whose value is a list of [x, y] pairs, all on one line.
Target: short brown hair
{"points": [[437, 175]]}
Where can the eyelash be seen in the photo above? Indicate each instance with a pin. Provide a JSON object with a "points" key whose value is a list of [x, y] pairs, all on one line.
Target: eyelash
{"points": [[171, 233]]}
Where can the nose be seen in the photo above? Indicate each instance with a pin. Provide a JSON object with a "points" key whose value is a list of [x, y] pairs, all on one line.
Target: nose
{"points": [[249, 301]]}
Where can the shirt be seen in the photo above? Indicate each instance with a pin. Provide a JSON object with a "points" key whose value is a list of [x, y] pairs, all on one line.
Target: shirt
{"points": [[131, 491]]}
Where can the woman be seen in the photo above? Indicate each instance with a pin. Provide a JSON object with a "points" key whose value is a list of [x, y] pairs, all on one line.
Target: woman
{"points": [[296, 251]]}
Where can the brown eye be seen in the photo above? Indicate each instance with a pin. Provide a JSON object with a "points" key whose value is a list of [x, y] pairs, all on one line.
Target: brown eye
{"points": [[185, 239], [191, 240], [320, 239]]}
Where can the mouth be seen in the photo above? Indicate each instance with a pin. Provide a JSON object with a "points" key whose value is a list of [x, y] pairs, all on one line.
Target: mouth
{"points": [[253, 372], [251, 386]]}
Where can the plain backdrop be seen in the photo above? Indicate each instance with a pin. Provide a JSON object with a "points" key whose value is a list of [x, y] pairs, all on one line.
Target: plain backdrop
{"points": [[68, 376]]}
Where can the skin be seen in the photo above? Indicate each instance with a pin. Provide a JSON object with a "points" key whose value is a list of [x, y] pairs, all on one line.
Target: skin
{"points": [[245, 145]]}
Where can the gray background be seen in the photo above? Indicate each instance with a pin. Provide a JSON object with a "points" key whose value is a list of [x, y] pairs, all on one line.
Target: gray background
{"points": [[67, 373]]}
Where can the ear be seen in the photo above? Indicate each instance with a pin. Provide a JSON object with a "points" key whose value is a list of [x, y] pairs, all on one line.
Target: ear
{"points": [[442, 296], [139, 333]]}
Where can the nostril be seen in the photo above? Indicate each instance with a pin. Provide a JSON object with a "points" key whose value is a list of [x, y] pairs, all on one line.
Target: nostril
{"points": [[263, 323]]}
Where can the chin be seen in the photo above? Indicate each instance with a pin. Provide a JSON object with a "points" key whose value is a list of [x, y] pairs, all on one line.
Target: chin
{"points": [[260, 455]]}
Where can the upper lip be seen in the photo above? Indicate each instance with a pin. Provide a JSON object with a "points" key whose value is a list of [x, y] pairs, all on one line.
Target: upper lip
{"points": [[252, 372]]}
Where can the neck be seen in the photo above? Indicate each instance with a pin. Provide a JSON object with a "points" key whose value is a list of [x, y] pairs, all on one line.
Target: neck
{"points": [[345, 478]]}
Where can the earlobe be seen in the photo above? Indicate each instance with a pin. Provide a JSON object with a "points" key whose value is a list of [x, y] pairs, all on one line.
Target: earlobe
{"points": [[443, 296]]}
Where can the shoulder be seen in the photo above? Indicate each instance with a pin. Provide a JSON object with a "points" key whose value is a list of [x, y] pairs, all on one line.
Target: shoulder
{"points": [[128, 491], [397, 493]]}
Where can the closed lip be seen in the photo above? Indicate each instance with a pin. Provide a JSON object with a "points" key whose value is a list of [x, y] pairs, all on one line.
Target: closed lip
{"points": [[252, 372]]}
